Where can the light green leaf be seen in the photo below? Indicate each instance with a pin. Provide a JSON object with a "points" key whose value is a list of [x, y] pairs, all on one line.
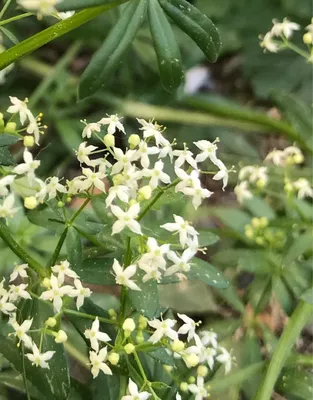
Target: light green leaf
{"points": [[10, 35], [308, 295], [259, 208], [296, 383], [207, 273], [70, 5], [145, 301], [300, 246], [74, 248]]}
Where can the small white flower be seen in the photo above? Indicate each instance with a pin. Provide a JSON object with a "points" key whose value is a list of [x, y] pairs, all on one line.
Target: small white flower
{"points": [[4, 182], [303, 187], [94, 335], [208, 150], [242, 192], [56, 293], [269, 44], [209, 338], [189, 327], [222, 173], [134, 394], [225, 358], [156, 175], [126, 219], [253, 173], [285, 28], [63, 269], [65, 15], [43, 7], [197, 193], [28, 167], [208, 355], [53, 186], [5, 306], [93, 179], [84, 152], [182, 227], [184, 156], [155, 255], [41, 190], [198, 389], [113, 122], [90, 128], [21, 331], [119, 191], [124, 160], [18, 291], [122, 276], [33, 128], [143, 152], [277, 156], [154, 130], [181, 264], [80, 292], [19, 107], [98, 364], [39, 359], [19, 270], [7, 209], [187, 180], [163, 328], [151, 272]]}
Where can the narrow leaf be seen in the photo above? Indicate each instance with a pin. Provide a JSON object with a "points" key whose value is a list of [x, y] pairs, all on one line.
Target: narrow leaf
{"points": [[70, 5], [207, 273]]}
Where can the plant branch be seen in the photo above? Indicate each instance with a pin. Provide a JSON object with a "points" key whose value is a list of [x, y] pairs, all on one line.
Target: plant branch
{"points": [[89, 316], [16, 18], [58, 248]]}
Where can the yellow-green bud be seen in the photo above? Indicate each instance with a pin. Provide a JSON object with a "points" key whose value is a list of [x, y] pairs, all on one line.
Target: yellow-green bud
{"points": [[288, 188], [61, 204], [133, 140], [168, 368], [30, 202], [263, 222], [191, 379], [308, 38], [29, 141], [46, 283], [132, 202], [51, 322], [112, 312], [68, 199], [113, 358], [1, 121], [129, 348], [118, 179], [298, 158], [129, 325], [184, 387], [178, 346], [255, 222], [10, 127], [191, 360], [249, 232], [109, 140], [140, 338], [61, 337], [142, 322], [260, 240], [260, 183], [202, 370], [144, 193]]}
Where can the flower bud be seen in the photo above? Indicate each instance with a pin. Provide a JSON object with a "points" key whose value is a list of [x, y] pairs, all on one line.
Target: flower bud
{"points": [[178, 346], [142, 322], [113, 358], [46, 283], [61, 204], [140, 338], [68, 199], [133, 140], [260, 183], [132, 202], [10, 127], [51, 322], [144, 193], [61, 337], [30, 202], [168, 368], [191, 379], [298, 158], [129, 348], [249, 232], [191, 360], [263, 222], [255, 222], [109, 140], [260, 240], [129, 325], [308, 38], [118, 179], [29, 141], [112, 313], [288, 188], [202, 371], [184, 387]]}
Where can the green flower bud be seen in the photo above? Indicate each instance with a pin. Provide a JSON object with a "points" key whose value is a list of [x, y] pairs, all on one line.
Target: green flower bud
{"points": [[30, 202], [133, 140], [113, 358], [61, 336], [10, 127], [51, 322], [109, 140], [129, 348]]}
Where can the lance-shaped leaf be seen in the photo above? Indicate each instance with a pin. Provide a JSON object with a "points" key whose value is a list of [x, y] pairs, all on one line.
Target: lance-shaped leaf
{"points": [[107, 58], [71, 5], [166, 47], [196, 25]]}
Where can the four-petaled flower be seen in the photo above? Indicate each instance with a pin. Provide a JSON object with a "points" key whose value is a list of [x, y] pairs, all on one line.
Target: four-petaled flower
{"points": [[19, 270], [21, 331], [162, 328], [182, 227], [63, 269], [94, 335], [134, 393], [28, 167], [126, 219], [122, 276], [113, 122], [80, 293], [56, 293], [97, 362], [39, 359]]}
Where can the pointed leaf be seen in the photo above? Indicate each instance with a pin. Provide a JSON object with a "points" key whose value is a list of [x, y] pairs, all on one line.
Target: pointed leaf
{"points": [[207, 273], [70, 5]]}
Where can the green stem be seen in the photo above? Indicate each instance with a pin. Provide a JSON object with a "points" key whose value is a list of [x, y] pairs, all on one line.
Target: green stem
{"points": [[17, 249], [89, 316], [292, 331], [16, 18], [73, 352], [79, 211], [24, 374], [53, 32], [58, 248], [5, 7]]}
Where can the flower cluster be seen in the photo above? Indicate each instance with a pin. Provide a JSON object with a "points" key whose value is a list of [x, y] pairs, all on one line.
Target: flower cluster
{"points": [[278, 38]]}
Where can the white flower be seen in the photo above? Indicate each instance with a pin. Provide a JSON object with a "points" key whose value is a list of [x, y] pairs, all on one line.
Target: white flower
{"points": [[209, 338], [114, 123], [93, 179], [28, 167], [94, 335], [222, 174], [166, 149], [198, 389], [4, 182], [33, 127], [182, 263], [53, 186], [126, 219], [43, 7], [123, 160], [242, 192], [151, 129], [269, 44], [5, 306], [19, 107], [151, 272], [84, 152], [225, 358], [18, 291], [39, 359], [184, 156], [21, 331], [120, 191], [65, 15], [19, 270], [208, 150], [253, 174], [285, 28], [189, 327], [7, 209], [187, 180], [207, 355], [182, 227], [134, 394], [90, 128], [80, 292], [156, 174], [98, 364], [197, 193], [41, 191], [162, 328], [277, 156], [56, 293], [122, 276], [155, 255], [63, 269], [143, 152], [303, 187]]}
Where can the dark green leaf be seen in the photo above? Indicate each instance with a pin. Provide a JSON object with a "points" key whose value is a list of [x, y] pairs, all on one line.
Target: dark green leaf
{"points": [[105, 387], [207, 238], [70, 5], [231, 296], [70, 132], [166, 48], [259, 208], [47, 218], [6, 158], [207, 273], [196, 25], [7, 140], [300, 246], [304, 208], [251, 355], [297, 383], [96, 271], [108, 57], [234, 219], [9, 35], [163, 356], [74, 248]]}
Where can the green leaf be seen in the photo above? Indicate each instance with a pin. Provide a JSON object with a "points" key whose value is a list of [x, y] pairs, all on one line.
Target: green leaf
{"points": [[251, 355], [166, 48], [207, 238], [234, 219], [96, 271], [105, 385], [300, 246], [259, 208], [231, 296], [196, 25], [7, 140], [6, 158], [308, 295], [70, 5], [108, 57], [163, 356], [9, 35], [297, 383], [207, 273], [47, 218], [304, 208], [70, 133], [74, 248]]}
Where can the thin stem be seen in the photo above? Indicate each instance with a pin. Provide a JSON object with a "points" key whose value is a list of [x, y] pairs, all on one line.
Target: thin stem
{"points": [[142, 371], [24, 374], [5, 7], [89, 316], [292, 331], [16, 18], [79, 211], [73, 352], [58, 248]]}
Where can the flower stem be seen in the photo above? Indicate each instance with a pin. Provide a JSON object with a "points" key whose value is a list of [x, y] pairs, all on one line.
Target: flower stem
{"points": [[89, 316], [292, 331], [58, 248], [16, 18], [79, 211]]}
